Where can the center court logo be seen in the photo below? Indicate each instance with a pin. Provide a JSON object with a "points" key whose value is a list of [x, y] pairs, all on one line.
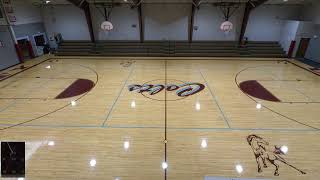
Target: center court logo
{"points": [[174, 89]]}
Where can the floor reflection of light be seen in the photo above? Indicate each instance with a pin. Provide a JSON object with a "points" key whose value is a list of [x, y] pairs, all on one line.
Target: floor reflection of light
{"points": [[133, 104], [198, 106], [51, 143], [32, 147], [117, 178], [93, 162], [239, 168], [204, 143], [48, 67], [164, 165], [258, 106], [126, 145], [73, 103], [284, 149], [20, 178]]}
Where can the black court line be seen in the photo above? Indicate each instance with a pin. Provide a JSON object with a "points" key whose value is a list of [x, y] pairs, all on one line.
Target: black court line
{"points": [[286, 80], [17, 98], [169, 129], [165, 119], [14, 99], [303, 68], [46, 78], [299, 102], [117, 98], [10, 66], [27, 68], [294, 120], [56, 110], [216, 101], [305, 95], [178, 58], [278, 79], [13, 80]]}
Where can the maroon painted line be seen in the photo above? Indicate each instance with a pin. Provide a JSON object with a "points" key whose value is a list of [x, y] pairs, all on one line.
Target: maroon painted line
{"points": [[255, 89], [24, 70], [317, 72], [314, 69], [10, 66], [3, 76], [17, 68]]}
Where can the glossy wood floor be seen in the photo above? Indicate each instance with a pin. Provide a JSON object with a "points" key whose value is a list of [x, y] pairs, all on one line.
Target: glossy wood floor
{"points": [[208, 133]]}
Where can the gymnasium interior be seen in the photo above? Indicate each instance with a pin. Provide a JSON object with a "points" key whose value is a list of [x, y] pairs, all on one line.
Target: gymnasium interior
{"points": [[160, 89]]}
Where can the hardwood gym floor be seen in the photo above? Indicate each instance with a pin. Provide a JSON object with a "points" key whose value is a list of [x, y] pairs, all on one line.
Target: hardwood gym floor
{"points": [[217, 118]]}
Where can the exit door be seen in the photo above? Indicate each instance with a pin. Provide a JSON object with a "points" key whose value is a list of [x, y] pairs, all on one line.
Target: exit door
{"points": [[303, 46]]}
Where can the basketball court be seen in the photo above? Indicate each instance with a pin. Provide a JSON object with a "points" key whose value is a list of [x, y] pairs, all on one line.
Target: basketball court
{"points": [[199, 126], [235, 105]]}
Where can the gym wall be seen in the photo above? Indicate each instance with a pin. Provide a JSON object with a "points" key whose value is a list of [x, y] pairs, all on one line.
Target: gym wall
{"points": [[66, 19], [166, 21], [124, 19], [8, 56], [313, 52], [288, 33], [312, 12], [265, 22]]}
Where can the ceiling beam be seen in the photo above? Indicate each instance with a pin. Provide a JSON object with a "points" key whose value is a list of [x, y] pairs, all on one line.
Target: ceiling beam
{"points": [[195, 5], [250, 5], [84, 5], [141, 24], [191, 23], [138, 4]]}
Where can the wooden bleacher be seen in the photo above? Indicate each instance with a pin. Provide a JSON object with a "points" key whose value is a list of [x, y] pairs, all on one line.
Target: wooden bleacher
{"points": [[170, 48]]}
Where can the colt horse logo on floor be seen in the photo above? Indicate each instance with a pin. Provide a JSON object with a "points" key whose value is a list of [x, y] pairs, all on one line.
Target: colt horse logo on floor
{"points": [[152, 88], [262, 153]]}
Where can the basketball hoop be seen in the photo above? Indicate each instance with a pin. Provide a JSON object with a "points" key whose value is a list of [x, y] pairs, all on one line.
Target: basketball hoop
{"points": [[228, 9], [105, 10], [226, 26], [106, 26]]}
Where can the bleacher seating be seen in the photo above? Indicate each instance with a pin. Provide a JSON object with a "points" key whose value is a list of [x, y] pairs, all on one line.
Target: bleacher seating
{"points": [[170, 48]]}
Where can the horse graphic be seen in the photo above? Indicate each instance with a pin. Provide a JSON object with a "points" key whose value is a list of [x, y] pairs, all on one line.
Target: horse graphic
{"points": [[262, 154]]}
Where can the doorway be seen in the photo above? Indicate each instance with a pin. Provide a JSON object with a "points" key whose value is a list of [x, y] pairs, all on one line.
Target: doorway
{"points": [[23, 44], [303, 46]]}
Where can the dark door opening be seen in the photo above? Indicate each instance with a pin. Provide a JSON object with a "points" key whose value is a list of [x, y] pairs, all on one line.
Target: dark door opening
{"points": [[39, 39], [24, 47], [303, 46]]}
